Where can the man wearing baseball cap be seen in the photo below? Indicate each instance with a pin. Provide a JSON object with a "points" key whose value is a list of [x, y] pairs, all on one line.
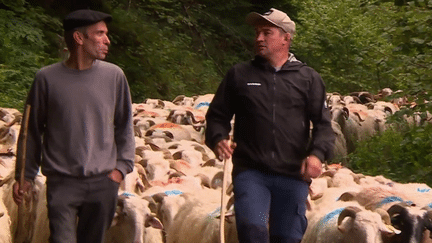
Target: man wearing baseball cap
{"points": [[80, 133], [274, 98]]}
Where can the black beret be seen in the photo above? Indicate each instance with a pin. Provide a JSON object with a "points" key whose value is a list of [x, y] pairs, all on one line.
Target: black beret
{"points": [[84, 17]]}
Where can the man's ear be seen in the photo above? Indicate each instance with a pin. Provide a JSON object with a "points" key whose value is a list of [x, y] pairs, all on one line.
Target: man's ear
{"points": [[287, 36], [78, 37]]}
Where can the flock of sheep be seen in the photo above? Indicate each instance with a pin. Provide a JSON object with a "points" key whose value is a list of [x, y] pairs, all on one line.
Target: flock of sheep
{"points": [[174, 193]]}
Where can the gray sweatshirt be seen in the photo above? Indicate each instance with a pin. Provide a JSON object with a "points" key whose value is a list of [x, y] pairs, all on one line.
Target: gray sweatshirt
{"points": [[80, 122]]}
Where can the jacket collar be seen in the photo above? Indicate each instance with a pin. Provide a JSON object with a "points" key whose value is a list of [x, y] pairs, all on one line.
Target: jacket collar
{"points": [[292, 64]]}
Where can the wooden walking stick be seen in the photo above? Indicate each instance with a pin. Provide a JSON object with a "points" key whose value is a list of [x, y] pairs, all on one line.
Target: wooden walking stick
{"points": [[223, 201], [21, 159], [23, 143]]}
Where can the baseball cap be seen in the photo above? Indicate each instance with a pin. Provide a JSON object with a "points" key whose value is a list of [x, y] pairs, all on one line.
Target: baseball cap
{"points": [[274, 16], [84, 17]]}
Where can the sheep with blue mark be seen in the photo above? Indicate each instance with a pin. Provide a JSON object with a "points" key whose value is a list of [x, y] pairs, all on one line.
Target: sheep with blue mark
{"points": [[419, 193], [380, 196], [413, 221], [169, 203], [348, 222], [202, 102]]}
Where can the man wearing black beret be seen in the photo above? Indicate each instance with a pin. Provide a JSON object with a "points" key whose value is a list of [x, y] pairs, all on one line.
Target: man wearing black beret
{"points": [[80, 133]]}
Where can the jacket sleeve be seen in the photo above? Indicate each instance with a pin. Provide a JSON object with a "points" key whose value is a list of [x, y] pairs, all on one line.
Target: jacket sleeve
{"points": [[124, 135], [323, 137], [220, 112], [36, 126]]}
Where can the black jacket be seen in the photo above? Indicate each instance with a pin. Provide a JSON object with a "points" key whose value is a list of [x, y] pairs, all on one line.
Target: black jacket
{"points": [[272, 112]]}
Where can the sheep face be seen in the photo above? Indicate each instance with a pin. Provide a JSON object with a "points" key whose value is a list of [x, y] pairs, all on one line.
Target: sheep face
{"points": [[365, 225], [411, 221]]}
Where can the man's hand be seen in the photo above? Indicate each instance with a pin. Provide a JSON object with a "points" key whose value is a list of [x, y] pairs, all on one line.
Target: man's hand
{"points": [[116, 176], [224, 149], [18, 192], [311, 168]]}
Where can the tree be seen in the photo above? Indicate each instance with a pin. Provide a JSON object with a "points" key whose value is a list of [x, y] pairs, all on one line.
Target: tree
{"points": [[23, 49], [345, 43]]}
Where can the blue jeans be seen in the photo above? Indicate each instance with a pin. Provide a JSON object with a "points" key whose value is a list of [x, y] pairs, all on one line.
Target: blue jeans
{"points": [[269, 207]]}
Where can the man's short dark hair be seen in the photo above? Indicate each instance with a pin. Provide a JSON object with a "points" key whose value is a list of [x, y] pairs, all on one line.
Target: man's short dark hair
{"points": [[69, 39]]}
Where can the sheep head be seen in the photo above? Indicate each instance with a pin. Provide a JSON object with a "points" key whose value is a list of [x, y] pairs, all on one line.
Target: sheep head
{"points": [[412, 221], [365, 224]]}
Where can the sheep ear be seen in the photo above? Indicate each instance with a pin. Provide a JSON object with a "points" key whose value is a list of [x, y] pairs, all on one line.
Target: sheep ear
{"points": [[115, 220], [178, 99], [170, 115], [161, 104], [154, 147], [169, 134], [153, 222]]}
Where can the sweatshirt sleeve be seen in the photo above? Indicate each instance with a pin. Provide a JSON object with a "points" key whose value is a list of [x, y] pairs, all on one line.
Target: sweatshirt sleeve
{"points": [[36, 126], [124, 135], [220, 112], [322, 133]]}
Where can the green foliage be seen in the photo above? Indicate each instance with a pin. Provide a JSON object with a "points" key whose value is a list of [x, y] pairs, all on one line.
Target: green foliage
{"points": [[402, 154], [345, 43], [159, 60], [22, 52]]}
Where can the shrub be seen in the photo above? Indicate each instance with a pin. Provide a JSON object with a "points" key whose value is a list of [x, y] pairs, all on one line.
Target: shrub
{"points": [[402, 153]]}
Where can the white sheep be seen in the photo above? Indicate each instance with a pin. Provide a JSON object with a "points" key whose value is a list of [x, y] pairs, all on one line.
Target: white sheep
{"points": [[182, 100], [348, 223], [155, 103], [202, 102], [132, 217], [32, 223], [158, 169], [340, 147], [170, 130], [5, 222], [318, 187], [198, 222], [136, 181]]}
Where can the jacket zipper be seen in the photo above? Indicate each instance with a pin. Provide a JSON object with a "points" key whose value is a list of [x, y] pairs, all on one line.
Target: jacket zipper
{"points": [[274, 112]]}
